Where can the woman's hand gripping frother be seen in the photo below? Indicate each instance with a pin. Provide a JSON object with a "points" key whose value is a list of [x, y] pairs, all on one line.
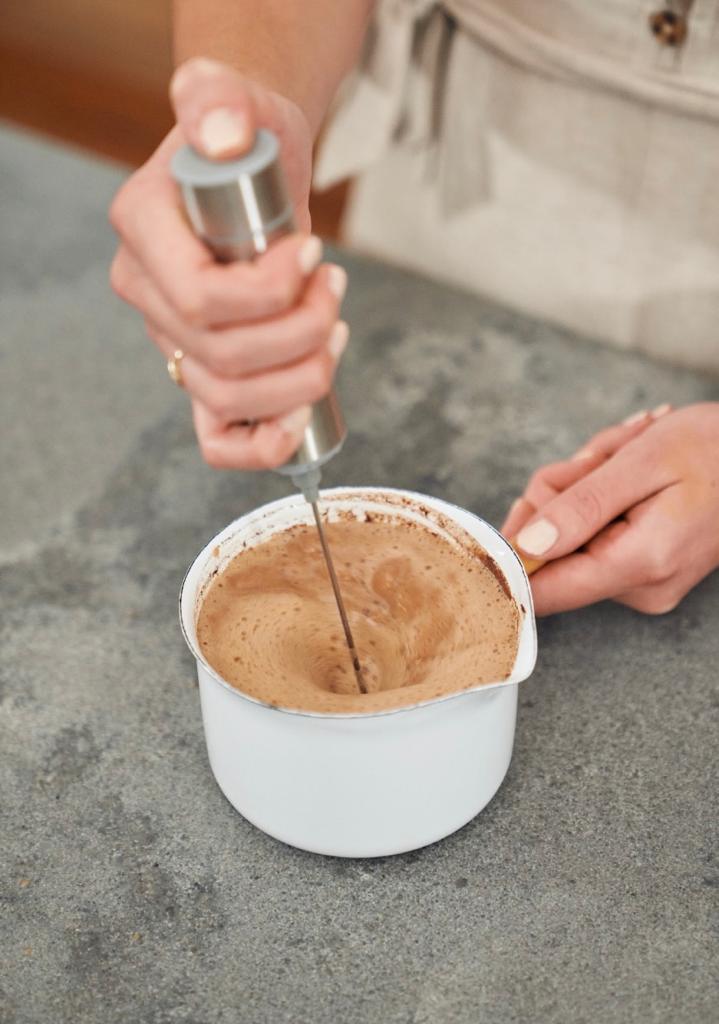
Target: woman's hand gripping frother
{"points": [[260, 341]]}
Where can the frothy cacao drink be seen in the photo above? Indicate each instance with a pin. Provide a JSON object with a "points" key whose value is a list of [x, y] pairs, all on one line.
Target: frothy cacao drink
{"points": [[431, 616]]}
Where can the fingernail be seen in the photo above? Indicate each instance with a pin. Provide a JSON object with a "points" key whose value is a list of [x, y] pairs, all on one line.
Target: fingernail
{"points": [[538, 538], [294, 423], [310, 254], [338, 339], [338, 281], [661, 410], [635, 418], [223, 131], [583, 453]]}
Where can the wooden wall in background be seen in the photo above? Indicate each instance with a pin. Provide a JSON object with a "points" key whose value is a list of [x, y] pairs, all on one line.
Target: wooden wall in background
{"points": [[94, 73], [91, 72]]}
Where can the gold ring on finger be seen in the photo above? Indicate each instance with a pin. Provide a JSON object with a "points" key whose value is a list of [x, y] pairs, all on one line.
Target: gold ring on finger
{"points": [[174, 367]]}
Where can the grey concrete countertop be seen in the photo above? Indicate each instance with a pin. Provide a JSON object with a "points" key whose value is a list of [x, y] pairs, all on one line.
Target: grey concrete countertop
{"points": [[131, 889]]}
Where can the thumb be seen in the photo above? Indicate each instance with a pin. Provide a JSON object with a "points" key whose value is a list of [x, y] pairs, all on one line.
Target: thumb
{"points": [[214, 107], [577, 514]]}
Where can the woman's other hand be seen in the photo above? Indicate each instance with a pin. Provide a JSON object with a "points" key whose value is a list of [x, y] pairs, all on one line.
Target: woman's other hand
{"points": [[261, 340], [634, 516]]}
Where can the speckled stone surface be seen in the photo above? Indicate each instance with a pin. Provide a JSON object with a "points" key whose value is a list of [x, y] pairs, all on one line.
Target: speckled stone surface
{"points": [[131, 890]]}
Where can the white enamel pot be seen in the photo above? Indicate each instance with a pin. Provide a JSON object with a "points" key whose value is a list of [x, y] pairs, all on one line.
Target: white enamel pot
{"points": [[359, 785]]}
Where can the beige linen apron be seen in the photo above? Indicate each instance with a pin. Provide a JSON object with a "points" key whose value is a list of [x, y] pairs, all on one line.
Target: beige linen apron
{"points": [[548, 153]]}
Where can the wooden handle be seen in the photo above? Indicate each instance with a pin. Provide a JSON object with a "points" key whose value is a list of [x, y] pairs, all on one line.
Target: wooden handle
{"points": [[530, 564]]}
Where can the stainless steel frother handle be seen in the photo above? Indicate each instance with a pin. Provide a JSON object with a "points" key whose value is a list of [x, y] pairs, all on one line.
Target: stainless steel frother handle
{"points": [[238, 208]]}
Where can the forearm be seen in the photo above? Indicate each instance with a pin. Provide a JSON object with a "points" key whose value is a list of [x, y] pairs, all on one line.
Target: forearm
{"points": [[299, 48]]}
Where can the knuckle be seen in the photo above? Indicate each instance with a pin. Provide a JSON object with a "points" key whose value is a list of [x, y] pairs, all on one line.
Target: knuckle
{"points": [[119, 279], [284, 292], [666, 605], [262, 459], [656, 604], [536, 478], [276, 288], [222, 359], [319, 379], [587, 506], [601, 437], [215, 399], [118, 207], [270, 455], [661, 563], [211, 454], [129, 200], [223, 407], [320, 323], [190, 303]]}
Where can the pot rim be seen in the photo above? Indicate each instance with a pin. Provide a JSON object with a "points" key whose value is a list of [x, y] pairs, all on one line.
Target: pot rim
{"points": [[360, 492]]}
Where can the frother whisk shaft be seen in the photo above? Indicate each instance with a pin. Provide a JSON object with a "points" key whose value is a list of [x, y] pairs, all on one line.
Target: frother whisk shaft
{"points": [[340, 603]]}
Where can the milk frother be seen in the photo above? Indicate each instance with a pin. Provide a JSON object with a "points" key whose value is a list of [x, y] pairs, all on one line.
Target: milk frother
{"points": [[239, 208]]}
